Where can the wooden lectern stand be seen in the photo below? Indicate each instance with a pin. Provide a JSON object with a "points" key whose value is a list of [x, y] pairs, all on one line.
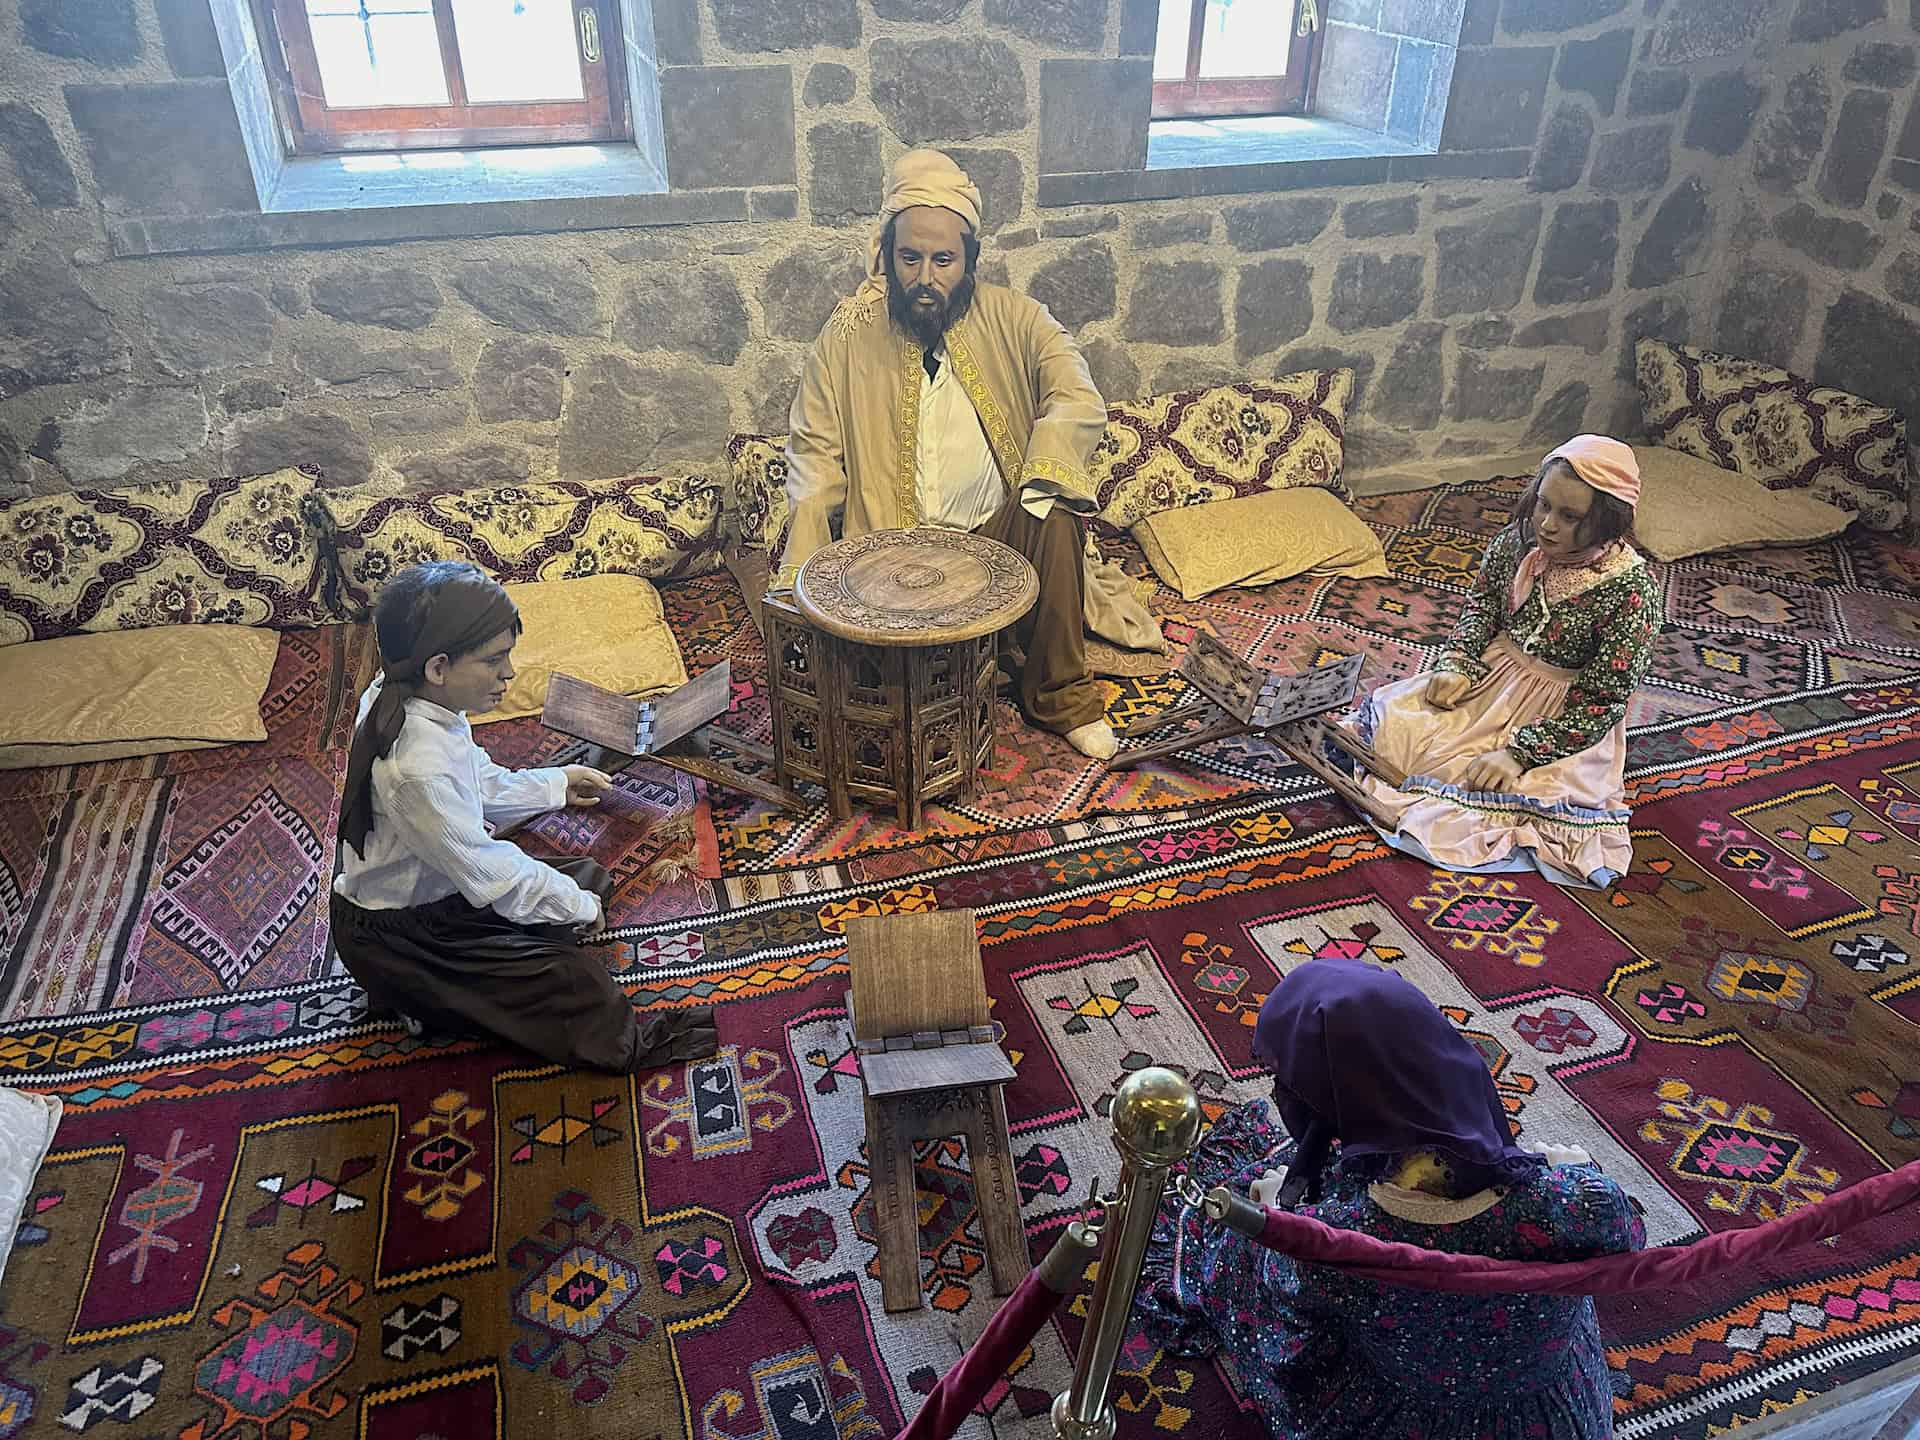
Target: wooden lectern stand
{"points": [[931, 1068]]}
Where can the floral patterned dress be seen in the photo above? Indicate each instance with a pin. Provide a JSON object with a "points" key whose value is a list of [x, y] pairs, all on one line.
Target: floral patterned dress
{"points": [[1551, 683], [1326, 1357]]}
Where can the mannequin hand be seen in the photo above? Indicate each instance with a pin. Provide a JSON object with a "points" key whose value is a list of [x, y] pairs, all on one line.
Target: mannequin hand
{"points": [[1447, 689], [1565, 1155], [585, 785], [1496, 771]]}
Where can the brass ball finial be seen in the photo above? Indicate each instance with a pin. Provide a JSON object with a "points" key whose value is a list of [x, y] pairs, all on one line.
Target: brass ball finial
{"points": [[1156, 1116]]}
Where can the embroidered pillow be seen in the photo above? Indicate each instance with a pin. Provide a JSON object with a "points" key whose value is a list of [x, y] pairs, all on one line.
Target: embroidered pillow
{"points": [[759, 465], [1232, 441], [555, 530], [1785, 432], [238, 550]]}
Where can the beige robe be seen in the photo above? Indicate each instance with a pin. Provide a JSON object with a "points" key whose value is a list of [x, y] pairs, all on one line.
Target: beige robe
{"points": [[854, 427]]}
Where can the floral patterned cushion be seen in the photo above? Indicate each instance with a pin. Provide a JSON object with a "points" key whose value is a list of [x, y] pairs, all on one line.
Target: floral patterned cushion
{"points": [[759, 489], [1198, 445], [555, 530], [1785, 432], [239, 551]]}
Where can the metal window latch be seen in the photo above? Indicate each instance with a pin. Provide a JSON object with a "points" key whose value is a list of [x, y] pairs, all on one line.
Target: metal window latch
{"points": [[1309, 16], [590, 35]]}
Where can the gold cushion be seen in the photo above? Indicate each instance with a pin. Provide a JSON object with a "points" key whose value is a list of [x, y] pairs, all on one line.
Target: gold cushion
{"points": [[608, 630], [1193, 446], [759, 464], [82, 698], [1199, 549], [238, 551], [1689, 507]]}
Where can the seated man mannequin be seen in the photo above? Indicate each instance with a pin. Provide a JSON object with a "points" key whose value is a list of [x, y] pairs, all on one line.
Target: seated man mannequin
{"points": [[986, 398]]}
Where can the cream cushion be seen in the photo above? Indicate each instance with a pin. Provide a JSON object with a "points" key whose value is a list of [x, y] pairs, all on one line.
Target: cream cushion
{"points": [[107, 696], [608, 630], [27, 1126], [1693, 507], [1259, 540]]}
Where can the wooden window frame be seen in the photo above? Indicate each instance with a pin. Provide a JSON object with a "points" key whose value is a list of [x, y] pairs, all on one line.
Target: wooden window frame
{"points": [[313, 127], [1214, 98]]}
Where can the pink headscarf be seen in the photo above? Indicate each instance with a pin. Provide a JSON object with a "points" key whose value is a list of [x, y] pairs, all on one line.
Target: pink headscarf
{"points": [[1604, 464]]}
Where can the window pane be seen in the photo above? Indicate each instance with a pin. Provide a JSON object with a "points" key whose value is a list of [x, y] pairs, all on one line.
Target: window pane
{"points": [[519, 50], [1170, 46], [1246, 37], [377, 52]]}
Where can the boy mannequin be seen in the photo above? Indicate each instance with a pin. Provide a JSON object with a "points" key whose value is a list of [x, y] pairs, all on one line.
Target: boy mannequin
{"points": [[435, 915]]}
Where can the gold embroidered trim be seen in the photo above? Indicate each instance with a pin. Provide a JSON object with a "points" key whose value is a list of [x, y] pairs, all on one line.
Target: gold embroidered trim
{"points": [[1071, 480], [993, 420], [905, 488], [852, 314]]}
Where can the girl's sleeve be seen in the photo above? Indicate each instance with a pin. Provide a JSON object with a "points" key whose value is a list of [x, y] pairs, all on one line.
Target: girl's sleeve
{"points": [[1590, 1214], [1484, 613], [1598, 698]]}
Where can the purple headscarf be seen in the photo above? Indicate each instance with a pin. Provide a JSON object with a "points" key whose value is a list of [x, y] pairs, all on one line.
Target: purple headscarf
{"points": [[1359, 1055]]}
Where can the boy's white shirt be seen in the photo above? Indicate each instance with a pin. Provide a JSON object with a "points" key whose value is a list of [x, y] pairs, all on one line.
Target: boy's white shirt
{"points": [[437, 799]]}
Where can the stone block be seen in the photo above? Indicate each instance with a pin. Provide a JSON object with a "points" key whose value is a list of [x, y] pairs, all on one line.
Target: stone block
{"points": [[827, 84], [1093, 114], [1761, 315], [1139, 26], [1435, 20], [172, 149], [246, 397], [1067, 24], [755, 26], [1477, 22], [1639, 158], [1080, 286], [1584, 330], [1673, 242], [1415, 110], [1891, 67], [1325, 357], [52, 332], [100, 32], [16, 471], [1563, 416], [471, 467], [1483, 264], [1159, 231], [1820, 20], [1002, 182], [1177, 303], [415, 422], [1072, 227], [1705, 29], [392, 298], [326, 442], [1022, 239], [1371, 447], [1365, 13], [936, 12], [43, 170], [1272, 305], [1903, 278], [930, 91], [1657, 92], [1724, 107], [779, 204], [1115, 375], [1859, 140], [1411, 386], [1790, 141], [538, 297], [209, 327], [1577, 263], [1489, 392], [728, 125], [804, 285], [1526, 17], [776, 380], [1496, 98], [846, 180], [1562, 157], [697, 313], [1191, 372], [1888, 206], [344, 361], [1843, 244], [192, 44], [676, 32], [1277, 224], [102, 440], [1377, 219], [1665, 317], [1488, 334], [1370, 291], [623, 418], [1356, 76], [519, 379], [1859, 336], [1597, 67]]}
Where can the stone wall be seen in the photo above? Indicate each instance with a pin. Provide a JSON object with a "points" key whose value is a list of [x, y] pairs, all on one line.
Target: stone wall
{"points": [[1586, 190]]}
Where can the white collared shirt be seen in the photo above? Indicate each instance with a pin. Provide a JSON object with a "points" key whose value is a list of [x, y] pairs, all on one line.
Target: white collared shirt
{"points": [[956, 484], [437, 798]]}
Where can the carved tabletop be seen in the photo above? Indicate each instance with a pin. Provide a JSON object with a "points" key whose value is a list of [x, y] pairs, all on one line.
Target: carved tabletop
{"points": [[915, 587]]}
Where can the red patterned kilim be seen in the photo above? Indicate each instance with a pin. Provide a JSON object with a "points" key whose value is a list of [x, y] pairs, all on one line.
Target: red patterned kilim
{"points": [[270, 1214]]}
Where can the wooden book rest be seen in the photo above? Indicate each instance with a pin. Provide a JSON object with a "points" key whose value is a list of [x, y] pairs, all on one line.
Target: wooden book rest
{"points": [[671, 729], [931, 1068], [1289, 710]]}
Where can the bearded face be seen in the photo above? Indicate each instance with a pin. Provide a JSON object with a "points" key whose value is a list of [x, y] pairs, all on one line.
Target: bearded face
{"points": [[929, 274]]}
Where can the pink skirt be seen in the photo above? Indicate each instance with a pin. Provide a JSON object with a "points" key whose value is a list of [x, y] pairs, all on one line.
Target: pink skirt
{"points": [[1568, 819]]}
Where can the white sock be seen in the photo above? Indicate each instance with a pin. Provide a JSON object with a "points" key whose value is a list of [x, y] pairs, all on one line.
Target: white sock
{"points": [[1096, 740]]}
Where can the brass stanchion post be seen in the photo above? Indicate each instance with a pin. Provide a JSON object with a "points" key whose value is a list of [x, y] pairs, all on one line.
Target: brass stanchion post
{"points": [[1156, 1119]]}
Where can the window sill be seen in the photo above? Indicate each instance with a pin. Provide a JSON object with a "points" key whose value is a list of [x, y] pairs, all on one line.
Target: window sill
{"points": [[1187, 158]]}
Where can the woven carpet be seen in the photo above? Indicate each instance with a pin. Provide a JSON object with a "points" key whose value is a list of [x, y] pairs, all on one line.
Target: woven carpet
{"points": [[272, 1215]]}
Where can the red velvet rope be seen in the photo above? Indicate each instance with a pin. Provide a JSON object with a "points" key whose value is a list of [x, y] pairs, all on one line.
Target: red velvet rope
{"points": [[1012, 1328], [1662, 1268]]}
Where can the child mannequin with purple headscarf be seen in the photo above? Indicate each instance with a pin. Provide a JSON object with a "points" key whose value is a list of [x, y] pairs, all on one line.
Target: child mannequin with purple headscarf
{"points": [[1515, 746], [1393, 1129]]}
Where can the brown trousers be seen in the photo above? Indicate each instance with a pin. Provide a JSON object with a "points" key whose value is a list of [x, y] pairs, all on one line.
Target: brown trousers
{"points": [[462, 970], [1056, 689]]}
